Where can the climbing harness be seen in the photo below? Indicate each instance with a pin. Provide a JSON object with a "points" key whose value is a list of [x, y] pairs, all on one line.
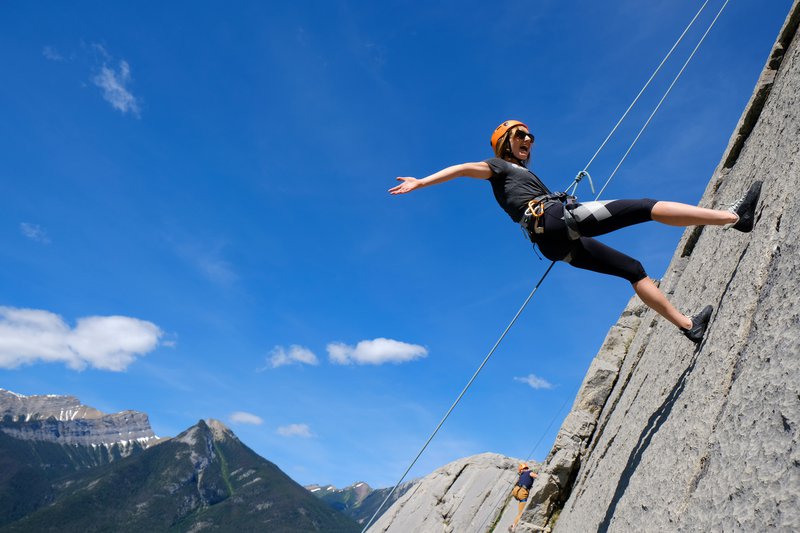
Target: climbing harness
{"points": [[536, 208], [532, 222], [574, 186], [520, 493]]}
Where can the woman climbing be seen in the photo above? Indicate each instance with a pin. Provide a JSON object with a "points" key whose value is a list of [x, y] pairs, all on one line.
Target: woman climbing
{"points": [[521, 491], [563, 229]]}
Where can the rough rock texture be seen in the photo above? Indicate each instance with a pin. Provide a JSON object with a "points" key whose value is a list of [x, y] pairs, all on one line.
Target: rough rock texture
{"points": [[561, 465], [706, 439], [63, 419], [41, 407], [465, 495]]}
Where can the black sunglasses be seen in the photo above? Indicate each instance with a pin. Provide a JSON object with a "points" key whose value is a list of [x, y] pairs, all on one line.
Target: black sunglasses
{"points": [[519, 134]]}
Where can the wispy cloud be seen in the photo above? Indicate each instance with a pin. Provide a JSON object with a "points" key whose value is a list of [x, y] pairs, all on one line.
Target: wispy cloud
{"points": [[279, 356], [114, 85], [114, 81], [52, 54], [535, 382], [240, 417], [100, 50], [208, 260], [34, 232], [295, 430], [375, 352], [216, 269], [103, 342]]}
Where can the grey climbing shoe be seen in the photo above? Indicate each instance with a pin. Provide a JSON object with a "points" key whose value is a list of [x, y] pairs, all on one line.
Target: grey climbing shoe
{"points": [[699, 325], [745, 209]]}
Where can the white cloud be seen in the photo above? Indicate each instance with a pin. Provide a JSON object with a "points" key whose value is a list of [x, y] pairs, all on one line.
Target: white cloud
{"points": [[295, 355], [295, 430], [535, 382], [115, 90], [240, 417], [375, 352], [103, 342], [34, 232]]}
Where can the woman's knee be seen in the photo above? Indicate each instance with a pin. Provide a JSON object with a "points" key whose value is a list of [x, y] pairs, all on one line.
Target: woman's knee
{"points": [[634, 271]]}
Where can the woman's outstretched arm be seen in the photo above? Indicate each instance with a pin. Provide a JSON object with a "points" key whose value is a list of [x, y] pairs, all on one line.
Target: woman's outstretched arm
{"points": [[478, 170]]}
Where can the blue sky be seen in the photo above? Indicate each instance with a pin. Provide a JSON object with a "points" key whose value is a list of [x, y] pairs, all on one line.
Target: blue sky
{"points": [[195, 221]]}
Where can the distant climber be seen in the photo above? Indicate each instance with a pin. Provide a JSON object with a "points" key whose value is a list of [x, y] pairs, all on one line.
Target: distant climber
{"points": [[563, 228], [521, 490]]}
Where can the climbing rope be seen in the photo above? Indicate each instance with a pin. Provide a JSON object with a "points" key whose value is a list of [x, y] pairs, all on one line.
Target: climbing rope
{"points": [[658, 106], [475, 375], [574, 186], [646, 85]]}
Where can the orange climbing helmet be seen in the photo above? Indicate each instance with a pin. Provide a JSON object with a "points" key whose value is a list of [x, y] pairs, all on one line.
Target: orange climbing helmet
{"points": [[522, 467], [501, 130]]}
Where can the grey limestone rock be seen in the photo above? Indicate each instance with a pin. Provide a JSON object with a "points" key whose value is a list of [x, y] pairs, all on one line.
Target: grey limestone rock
{"points": [[559, 468], [465, 495], [704, 438], [65, 420]]}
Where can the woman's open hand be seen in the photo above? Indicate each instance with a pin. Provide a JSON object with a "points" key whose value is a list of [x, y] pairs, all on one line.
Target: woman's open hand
{"points": [[408, 185]]}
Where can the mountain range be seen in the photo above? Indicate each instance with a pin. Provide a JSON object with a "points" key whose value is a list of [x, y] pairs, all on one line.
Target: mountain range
{"points": [[359, 501], [67, 467]]}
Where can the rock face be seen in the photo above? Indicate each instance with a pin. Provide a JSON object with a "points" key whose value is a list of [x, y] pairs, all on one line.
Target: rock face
{"points": [[705, 438], [558, 471], [41, 407], [465, 495], [63, 419]]}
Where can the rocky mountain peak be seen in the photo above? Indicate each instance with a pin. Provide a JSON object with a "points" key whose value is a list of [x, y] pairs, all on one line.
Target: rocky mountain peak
{"points": [[41, 407], [65, 420], [219, 430], [203, 479]]}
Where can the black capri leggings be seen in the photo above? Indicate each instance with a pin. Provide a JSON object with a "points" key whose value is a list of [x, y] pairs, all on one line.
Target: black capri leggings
{"points": [[559, 243]]}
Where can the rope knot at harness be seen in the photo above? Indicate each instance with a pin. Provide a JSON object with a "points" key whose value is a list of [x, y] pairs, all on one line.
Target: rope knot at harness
{"points": [[578, 178]]}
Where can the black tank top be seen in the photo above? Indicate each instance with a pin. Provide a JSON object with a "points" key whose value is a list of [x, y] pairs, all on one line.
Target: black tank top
{"points": [[514, 186]]}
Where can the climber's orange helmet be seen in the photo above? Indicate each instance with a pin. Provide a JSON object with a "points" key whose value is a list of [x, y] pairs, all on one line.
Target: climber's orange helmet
{"points": [[501, 130]]}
